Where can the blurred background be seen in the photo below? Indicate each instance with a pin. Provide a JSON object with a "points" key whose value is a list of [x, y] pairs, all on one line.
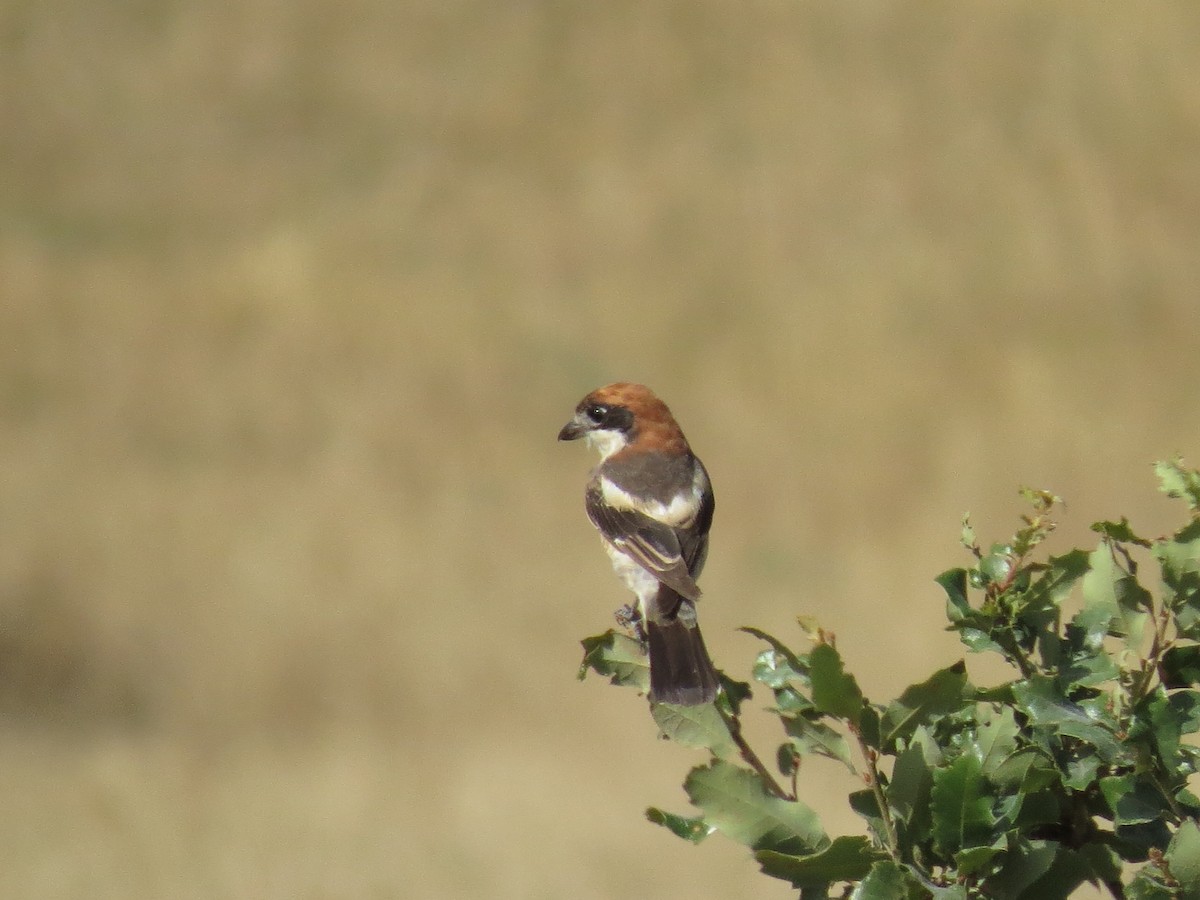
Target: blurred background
{"points": [[294, 298]]}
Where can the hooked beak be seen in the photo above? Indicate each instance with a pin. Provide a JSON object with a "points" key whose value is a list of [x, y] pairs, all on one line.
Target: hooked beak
{"points": [[572, 431]]}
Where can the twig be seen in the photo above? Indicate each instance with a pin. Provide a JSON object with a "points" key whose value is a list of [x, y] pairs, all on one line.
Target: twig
{"points": [[885, 812], [733, 723]]}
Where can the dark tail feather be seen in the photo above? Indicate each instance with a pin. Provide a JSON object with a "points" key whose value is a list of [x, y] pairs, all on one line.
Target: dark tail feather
{"points": [[680, 671]]}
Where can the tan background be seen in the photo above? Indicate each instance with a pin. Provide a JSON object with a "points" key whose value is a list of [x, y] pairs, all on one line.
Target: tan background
{"points": [[294, 297]]}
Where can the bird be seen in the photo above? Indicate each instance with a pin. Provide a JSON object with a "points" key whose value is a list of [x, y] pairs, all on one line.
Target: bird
{"points": [[652, 502]]}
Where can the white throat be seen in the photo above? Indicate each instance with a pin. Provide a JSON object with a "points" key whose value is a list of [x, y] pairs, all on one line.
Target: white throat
{"points": [[606, 442]]}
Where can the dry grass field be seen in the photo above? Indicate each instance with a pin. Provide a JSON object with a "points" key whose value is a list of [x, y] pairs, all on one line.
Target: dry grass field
{"points": [[294, 298]]}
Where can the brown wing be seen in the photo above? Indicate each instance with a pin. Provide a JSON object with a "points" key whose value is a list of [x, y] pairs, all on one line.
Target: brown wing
{"points": [[655, 546]]}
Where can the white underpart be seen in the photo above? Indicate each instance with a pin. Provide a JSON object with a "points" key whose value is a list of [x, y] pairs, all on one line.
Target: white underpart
{"points": [[633, 576]]}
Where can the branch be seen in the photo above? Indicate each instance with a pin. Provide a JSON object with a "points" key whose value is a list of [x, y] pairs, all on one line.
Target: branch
{"points": [[734, 724]]}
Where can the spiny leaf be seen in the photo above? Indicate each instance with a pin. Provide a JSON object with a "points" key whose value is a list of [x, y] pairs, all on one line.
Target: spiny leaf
{"points": [[1120, 532], [1041, 602], [941, 693], [833, 691], [845, 859], [1181, 666], [888, 881], [817, 737], [1047, 708], [995, 740], [954, 583], [1179, 558], [790, 656], [695, 726], [692, 830], [1180, 483], [962, 812], [912, 780], [1132, 799], [1183, 858], [734, 802], [1109, 591], [617, 656]]}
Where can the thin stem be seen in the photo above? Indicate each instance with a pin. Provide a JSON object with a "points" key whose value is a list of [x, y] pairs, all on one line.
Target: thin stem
{"points": [[885, 813], [734, 724], [1153, 660]]}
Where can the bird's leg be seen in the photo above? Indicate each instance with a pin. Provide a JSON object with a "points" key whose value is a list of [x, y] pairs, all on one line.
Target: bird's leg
{"points": [[629, 618]]}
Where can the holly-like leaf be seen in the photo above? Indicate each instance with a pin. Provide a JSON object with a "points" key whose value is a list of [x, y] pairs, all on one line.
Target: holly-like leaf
{"points": [[954, 583], [1113, 599], [845, 859], [1120, 532], [1179, 558], [817, 737], [695, 726], [834, 692], [1180, 483], [618, 657], [734, 802], [1047, 709], [1183, 858], [920, 704], [888, 881], [995, 739], [692, 830], [962, 810], [1040, 604], [1132, 799], [789, 657], [912, 780], [1181, 666]]}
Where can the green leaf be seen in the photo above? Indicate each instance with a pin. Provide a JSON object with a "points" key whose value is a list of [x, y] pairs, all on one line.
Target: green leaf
{"points": [[1120, 532], [733, 693], [1081, 772], [617, 657], [1179, 559], [834, 692], [692, 830], [1024, 867], [1167, 724], [1181, 666], [695, 726], [888, 881], [1183, 858], [912, 780], [1132, 799], [1110, 593], [920, 704], [789, 656], [1040, 604], [1177, 482], [962, 811], [816, 737], [954, 583], [845, 859], [1067, 872], [1048, 710], [1148, 885], [995, 739], [734, 802], [975, 859]]}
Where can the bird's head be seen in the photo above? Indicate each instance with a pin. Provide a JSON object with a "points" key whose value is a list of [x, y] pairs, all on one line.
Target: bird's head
{"points": [[614, 416]]}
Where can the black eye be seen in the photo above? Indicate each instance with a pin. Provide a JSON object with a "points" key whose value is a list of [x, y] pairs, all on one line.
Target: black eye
{"points": [[596, 412]]}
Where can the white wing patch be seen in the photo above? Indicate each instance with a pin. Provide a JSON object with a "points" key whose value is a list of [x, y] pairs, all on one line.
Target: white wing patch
{"points": [[679, 513]]}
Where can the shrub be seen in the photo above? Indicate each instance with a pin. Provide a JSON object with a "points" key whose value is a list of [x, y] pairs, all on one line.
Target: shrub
{"points": [[1075, 770]]}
